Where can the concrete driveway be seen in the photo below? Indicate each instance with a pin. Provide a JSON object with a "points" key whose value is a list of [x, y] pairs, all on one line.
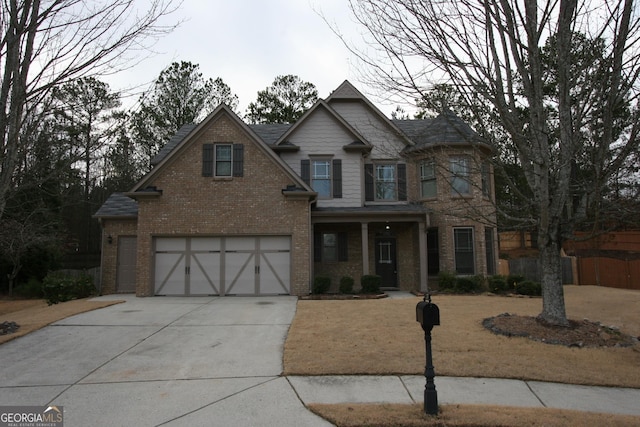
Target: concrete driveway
{"points": [[161, 361]]}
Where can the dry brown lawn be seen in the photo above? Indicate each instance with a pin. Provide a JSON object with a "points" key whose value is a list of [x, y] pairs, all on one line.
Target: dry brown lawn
{"points": [[383, 337], [32, 315], [350, 415]]}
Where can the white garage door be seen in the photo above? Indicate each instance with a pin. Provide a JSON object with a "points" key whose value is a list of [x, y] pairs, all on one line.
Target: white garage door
{"points": [[252, 265]]}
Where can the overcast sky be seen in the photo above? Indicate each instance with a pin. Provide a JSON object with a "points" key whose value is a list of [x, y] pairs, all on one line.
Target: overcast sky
{"points": [[249, 42]]}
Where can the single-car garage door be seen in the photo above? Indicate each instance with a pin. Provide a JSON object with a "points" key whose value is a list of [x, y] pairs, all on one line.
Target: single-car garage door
{"points": [[246, 265]]}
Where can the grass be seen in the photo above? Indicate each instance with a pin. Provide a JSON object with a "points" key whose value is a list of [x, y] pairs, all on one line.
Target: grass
{"points": [[382, 337]]}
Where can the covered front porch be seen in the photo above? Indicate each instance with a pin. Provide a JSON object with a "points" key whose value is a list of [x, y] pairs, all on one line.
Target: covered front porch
{"points": [[389, 241]]}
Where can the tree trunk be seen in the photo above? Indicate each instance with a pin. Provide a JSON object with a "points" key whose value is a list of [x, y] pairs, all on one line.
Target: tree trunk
{"points": [[553, 309]]}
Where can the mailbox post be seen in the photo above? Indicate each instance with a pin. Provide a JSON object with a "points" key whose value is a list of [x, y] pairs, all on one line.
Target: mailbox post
{"points": [[428, 314]]}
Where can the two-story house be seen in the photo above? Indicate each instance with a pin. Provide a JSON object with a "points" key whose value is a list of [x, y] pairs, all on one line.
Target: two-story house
{"points": [[237, 209]]}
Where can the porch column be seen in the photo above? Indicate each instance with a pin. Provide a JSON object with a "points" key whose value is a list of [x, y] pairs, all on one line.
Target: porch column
{"points": [[365, 247], [424, 274]]}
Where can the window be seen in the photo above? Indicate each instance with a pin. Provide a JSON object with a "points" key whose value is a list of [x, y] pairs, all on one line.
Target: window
{"points": [[384, 255], [330, 247], [490, 252], [385, 182], [433, 252], [486, 180], [463, 248], [460, 184], [321, 177], [428, 179], [223, 159]]}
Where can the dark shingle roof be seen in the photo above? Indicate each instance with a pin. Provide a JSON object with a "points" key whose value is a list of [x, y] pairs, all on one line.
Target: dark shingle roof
{"points": [[118, 205], [447, 128], [173, 143], [270, 133]]}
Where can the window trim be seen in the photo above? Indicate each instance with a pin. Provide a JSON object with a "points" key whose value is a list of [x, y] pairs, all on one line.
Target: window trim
{"points": [[329, 179], [428, 179], [461, 251], [376, 165], [464, 176]]}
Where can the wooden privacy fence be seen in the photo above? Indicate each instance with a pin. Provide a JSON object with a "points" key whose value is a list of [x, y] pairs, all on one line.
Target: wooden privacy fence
{"points": [[528, 268], [611, 272]]}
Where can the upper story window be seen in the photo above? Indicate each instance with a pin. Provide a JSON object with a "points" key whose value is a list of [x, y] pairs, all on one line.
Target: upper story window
{"points": [[223, 160], [486, 179], [323, 175], [385, 182], [460, 171], [463, 250], [428, 187]]}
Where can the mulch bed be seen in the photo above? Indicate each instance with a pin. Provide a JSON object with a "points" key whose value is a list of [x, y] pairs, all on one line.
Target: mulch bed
{"points": [[583, 333]]}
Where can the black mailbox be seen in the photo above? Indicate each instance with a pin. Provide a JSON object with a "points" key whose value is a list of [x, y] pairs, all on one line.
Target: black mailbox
{"points": [[428, 314]]}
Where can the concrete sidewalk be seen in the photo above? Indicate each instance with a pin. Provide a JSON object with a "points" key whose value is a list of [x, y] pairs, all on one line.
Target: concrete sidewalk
{"points": [[218, 361]]}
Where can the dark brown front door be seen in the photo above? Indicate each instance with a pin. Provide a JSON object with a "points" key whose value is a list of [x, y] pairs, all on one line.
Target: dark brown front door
{"points": [[386, 261], [126, 268]]}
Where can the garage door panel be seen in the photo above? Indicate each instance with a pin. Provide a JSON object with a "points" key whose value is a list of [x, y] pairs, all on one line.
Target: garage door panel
{"points": [[204, 274], [206, 244], [240, 273], [171, 244], [170, 273], [274, 272]]}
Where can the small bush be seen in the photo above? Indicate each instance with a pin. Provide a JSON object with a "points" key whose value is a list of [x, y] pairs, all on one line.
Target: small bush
{"points": [[498, 284], [466, 285], [370, 284], [31, 289], [513, 280], [321, 285], [346, 285], [446, 281], [59, 287], [527, 287]]}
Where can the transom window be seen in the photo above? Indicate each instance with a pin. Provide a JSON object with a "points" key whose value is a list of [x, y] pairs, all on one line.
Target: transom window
{"points": [[428, 179], [223, 160], [321, 177], [385, 182], [460, 167]]}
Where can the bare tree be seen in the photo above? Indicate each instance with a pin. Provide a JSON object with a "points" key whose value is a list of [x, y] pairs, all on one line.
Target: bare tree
{"points": [[493, 51], [44, 43]]}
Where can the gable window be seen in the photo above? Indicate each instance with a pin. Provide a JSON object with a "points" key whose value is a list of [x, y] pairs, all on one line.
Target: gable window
{"points": [[321, 177], [330, 247], [223, 160], [460, 167], [428, 179], [324, 176], [385, 182], [463, 250]]}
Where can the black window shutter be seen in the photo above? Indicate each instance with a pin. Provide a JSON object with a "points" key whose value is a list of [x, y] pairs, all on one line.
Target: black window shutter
{"points": [[238, 160], [343, 247], [337, 178], [368, 183], [305, 171], [207, 160], [402, 181], [317, 247]]}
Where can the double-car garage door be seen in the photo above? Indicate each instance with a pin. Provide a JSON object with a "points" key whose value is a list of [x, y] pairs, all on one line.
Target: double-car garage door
{"points": [[247, 265]]}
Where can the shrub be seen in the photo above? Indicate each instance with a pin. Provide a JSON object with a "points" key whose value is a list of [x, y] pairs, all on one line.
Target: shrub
{"points": [[466, 285], [498, 284], [346, 285], [31, 289], [60, 287], [370, 284], [513, 280], [321, 284], [527, 287], [446, 281]]}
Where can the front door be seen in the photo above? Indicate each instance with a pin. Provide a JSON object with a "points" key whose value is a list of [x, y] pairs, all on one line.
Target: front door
{"points": [[386, 261], [126, 264]]}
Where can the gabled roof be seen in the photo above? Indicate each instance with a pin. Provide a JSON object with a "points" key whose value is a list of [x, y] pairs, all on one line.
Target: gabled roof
{"points": [[188, 134], [118, 205], [321, 104], [175, 140], [348, 92], [445, 129], [270, 133]]}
